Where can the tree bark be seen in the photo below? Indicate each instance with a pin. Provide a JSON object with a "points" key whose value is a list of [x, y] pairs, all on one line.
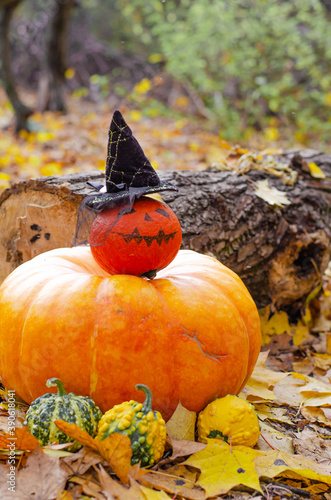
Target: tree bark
{"points": [[279, 252], [51, 88], [22, 112]]}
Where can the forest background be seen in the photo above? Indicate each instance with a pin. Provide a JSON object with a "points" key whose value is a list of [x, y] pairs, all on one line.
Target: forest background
{"points": [[201, 83], [253, 68]]}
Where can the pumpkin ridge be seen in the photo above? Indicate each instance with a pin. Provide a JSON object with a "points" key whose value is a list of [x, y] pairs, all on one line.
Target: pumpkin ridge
{"points": [[31, 304], [182, 283], [251, 361], [70, 282], [12, 281], [93, 371], [210, 355], [223, 293]]}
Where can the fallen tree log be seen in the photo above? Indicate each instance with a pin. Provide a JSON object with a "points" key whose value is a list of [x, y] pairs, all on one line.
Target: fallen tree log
{"points": [[280, 252]]}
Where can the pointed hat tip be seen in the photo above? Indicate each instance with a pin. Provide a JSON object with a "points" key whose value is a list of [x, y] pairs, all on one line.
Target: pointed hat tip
{"points": [[118, 123]]}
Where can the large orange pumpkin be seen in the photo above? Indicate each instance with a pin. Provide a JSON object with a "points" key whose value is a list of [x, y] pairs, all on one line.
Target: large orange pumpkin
{"points": [[140, 242], [191, 335]]}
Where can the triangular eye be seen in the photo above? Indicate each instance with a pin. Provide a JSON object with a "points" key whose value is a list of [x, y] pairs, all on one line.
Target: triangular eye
{"points": [[132, 211], [163, 212], [148, 217]]}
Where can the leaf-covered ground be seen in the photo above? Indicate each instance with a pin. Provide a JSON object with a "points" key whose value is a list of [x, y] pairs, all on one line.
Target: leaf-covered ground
{"points": [[62, 144], [290, 387]]}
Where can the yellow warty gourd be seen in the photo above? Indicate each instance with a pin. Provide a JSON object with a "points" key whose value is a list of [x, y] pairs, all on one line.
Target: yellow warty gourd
{"points": [[229, 417], [145, 428]]}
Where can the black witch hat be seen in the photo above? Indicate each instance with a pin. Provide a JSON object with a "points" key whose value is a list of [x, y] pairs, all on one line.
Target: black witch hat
{"points": [[129, 175]]}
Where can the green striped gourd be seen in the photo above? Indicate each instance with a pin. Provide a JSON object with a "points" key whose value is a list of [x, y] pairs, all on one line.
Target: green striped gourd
{"points": [[73, 409]]}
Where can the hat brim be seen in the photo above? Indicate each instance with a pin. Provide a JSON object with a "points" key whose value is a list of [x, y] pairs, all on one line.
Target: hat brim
{"points": [[104, 201]]}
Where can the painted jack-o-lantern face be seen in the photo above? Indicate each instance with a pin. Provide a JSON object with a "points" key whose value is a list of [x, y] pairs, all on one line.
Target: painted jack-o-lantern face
{"points": [[140, 242]]}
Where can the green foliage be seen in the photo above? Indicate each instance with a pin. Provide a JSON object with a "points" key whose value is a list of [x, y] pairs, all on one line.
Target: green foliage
{"points": [[254, 62]]}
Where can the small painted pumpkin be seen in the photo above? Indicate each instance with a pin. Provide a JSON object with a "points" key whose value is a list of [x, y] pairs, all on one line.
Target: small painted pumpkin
{"points": [[191, 335], [140, 242], [229, 417], [145, 428], [73, 409]]}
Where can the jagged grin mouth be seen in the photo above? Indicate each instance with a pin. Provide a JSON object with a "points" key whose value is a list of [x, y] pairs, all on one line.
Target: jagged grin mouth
{"points": [[138, 238]]}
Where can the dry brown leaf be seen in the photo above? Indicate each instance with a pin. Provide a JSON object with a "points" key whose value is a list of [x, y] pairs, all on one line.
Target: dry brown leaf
{"points": [[309, 444], [117, 490], [183, 448], [287, 391], [177, 480], [327, 413], [41, 479], [3, 422], [272, 413], [271, 437], [89, 486], [182, 423], [78, 463], [116, 448]]}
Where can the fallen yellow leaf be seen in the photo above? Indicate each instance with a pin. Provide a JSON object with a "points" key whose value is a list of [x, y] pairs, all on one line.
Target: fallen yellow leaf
{"points": [[260, 384], [274, 463], [65, 495], [52, 168], [69, 73], [316, 393], [316, 171], [272, 325], [153, 495], [223, 467]]}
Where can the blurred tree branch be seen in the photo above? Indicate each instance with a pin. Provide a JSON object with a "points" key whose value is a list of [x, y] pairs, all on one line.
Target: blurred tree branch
{"points": [[22, 112], [51, 94], [327, 5]]}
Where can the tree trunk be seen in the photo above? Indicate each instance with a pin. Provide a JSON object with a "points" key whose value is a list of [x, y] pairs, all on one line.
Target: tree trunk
{"points": [[279, 252], [51, 87], [22, 112], [327, 5]]}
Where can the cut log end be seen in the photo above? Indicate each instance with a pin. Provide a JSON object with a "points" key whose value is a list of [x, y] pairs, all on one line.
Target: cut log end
{"points": [[280, 253], [296, 270]]}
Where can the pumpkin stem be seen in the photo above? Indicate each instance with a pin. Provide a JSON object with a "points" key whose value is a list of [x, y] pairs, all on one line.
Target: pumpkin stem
{"points": [[52, 382], [149, 274], [147, 406]]}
